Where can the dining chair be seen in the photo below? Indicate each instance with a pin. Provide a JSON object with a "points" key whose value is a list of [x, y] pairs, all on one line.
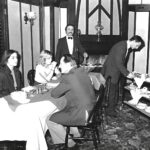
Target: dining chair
{"points": [[89, 131], [30, 77], [12, 145]]}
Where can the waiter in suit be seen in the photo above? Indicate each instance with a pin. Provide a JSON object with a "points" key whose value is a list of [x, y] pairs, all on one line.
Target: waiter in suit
{"points": [[114, 66], [70, 44]]}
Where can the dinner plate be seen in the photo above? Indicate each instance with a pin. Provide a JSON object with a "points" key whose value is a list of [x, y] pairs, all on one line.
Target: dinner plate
{"points": [[20, 97], [147, 109], [28, 88], [51, 85], [133, 102], [141, 105]]}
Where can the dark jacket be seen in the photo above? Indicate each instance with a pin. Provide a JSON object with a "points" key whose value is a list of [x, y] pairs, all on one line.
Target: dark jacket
{"points": [[62, 48], [79, 92], [115, 62], [7, 82]]}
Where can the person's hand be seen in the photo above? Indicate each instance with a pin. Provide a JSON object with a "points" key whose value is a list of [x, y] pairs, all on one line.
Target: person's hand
{"points": [[57, 71], [53, 64], [85, 55]]}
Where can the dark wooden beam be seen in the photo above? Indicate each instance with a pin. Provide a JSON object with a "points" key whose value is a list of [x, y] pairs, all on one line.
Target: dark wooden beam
{"points": [[52, 30], [55, 3], [41, 24], [71, 12], [125, 16], [148, 46], [4, 32], [111, 18], [119, 13], [140, 8], [87, 19]]}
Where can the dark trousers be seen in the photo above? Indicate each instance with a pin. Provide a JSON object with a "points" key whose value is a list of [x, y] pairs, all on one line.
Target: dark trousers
{"points": [[113, 98]]}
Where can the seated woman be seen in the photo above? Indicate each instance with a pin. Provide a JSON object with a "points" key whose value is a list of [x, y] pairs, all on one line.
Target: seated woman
{"points": [[10, 76], [45, 68]]}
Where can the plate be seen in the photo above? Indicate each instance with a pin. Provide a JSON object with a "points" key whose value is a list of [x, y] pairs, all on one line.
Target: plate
{"points": [[51, 85], [141, 105], [133, 102], [147, 109], [20, 97], [28, 89]]}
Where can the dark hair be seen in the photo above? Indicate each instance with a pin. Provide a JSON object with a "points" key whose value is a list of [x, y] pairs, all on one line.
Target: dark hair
{"points": [[46, 52], [69, 59], [7, 54], [137, 38], [69, 25]]}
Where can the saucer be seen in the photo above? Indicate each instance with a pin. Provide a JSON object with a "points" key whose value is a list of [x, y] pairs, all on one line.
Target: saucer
{"points": [[141, 105], [51, 85]]}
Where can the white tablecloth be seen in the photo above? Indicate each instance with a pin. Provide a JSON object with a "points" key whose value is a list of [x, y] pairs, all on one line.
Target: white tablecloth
{"points": [[27, 122]]}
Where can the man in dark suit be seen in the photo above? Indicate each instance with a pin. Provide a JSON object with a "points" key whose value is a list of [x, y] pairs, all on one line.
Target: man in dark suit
{"points": [[114, 66], [76, 86], [70, 44]]}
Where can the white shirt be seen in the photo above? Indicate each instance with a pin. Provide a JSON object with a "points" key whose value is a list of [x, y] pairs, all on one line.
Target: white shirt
{"points": [[70, 45], [40, 74]]}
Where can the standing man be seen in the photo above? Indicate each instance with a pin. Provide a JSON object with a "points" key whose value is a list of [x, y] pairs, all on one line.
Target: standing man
{"points": [[114, 66], [70, 45]]}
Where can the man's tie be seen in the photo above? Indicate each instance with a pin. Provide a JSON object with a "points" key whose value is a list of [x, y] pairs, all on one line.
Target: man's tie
{"points": [[70, 38]]}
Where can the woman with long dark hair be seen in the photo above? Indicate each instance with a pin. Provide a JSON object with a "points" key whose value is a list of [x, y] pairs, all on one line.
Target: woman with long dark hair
{"points": [[10, 76]]}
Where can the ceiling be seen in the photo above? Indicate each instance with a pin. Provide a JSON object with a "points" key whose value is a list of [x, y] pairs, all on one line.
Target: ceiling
{"points": [[56, 3]]}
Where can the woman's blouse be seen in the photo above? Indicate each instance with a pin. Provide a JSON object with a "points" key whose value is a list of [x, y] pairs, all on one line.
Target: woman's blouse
{"points": [[43, 74]]}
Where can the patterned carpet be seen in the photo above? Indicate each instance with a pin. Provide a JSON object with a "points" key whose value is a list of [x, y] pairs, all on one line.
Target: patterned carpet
{"points": [[129, 131]]}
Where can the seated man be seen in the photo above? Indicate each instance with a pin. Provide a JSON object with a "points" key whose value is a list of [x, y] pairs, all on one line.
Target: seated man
{"points": [[76, 86]]}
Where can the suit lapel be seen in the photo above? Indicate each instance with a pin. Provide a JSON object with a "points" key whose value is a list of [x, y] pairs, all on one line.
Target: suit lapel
{"points": [[66, 48], [124, 52]]}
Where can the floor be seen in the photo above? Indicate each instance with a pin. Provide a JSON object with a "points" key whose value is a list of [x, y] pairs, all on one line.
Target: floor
{"points": [[129, 131]]}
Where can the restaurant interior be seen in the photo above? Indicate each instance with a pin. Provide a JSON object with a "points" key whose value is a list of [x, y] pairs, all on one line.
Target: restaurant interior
{"points": [[29, 26]]}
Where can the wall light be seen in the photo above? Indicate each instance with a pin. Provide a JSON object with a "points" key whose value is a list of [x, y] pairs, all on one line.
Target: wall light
{"points": [[30, 16], [98, 28]]}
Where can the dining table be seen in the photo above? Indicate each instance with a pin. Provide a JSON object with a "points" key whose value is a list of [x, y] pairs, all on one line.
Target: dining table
{"points": [[140, 94], [26, 120], [94, 74]]}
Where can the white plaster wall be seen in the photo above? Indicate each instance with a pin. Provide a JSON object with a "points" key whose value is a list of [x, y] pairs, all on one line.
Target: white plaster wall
{"points": [[15, 34], [142, 30], [142, 19], [82, 19], [105, 21]]}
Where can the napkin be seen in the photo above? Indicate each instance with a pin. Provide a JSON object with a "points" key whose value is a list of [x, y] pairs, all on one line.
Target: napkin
{"points": [[136, 95], [139, 81]]}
